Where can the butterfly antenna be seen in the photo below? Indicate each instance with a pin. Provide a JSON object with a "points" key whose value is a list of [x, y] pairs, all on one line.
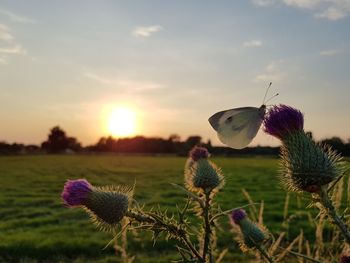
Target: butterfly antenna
{"points": [[267, 90], [272, 97]]}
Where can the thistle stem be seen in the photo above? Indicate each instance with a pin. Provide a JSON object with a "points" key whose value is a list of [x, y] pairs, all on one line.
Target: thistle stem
{"points": [[143, 218], [302, 256], [192, 248], [264, 253], [207, 229], [332, 213], [226, 212]]}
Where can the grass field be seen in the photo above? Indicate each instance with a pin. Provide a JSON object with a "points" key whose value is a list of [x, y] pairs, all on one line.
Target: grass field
{"points": [[35, 227]]}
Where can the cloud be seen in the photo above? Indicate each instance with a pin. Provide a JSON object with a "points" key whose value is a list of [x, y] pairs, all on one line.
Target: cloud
{"points": [[326, 9], [124, 83], [8, 45], [332, 13], [272, 73], [263, 2], [252, 43], [16, 49], [146, 31], [98, 78], [5, 34], [16, 18], [330, 52]]}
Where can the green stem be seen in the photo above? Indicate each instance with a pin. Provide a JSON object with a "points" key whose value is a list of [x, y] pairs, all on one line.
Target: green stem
{"points": [[140, 217], [226, 212], [264, 253], [332, 213], [302, 256], [143, 218], [207, 229], [192, 248]]}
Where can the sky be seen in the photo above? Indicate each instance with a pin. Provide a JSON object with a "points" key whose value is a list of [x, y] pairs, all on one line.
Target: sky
{"points": [[174, 63]]}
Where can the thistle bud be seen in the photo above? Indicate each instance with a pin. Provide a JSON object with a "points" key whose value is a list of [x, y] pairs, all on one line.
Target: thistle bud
{"points": [[306, 165], [199, 153], [200, 173], [252, 235], [107, 206]]}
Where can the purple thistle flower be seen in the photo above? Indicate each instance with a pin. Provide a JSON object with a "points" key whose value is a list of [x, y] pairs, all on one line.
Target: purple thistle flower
{"points": [[345, 259], [282, 120], [237, 215], [199, 153], [76, 192]]}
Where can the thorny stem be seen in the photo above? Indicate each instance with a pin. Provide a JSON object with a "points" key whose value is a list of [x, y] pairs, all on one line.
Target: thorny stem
{"points": [[302, 256], [183, 237], [264, 253], [207, 230], [332, 213], [193, 249], [226, 212]]}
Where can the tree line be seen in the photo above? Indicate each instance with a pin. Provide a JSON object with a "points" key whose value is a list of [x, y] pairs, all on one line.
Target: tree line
{"points": [[58, 142]]}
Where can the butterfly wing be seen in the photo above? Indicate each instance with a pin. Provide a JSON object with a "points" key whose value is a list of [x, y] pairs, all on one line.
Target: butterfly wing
{"points": [[237, 127]]}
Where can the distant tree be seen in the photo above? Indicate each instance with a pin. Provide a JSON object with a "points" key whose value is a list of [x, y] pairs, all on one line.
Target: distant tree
{"points": [[175, 138], [58, 142], [337, 144], [193, 141]]}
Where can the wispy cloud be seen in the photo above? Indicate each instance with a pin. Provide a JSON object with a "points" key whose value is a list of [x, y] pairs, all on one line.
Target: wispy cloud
{"points": [[330, 52], [272, 73], [327, 9], [333, 13], [146, 31], [8, 45], [5, 34], [17, 49], [252, 43], [124, 83], [263, 2], [15, 17]]}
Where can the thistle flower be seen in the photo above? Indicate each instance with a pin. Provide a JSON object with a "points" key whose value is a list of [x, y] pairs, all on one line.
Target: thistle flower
{"points": [[200, 173], [306, 165], [199, 153], [345, 259], [252, 235], [283, 120], [76, 192], [106, 206]]}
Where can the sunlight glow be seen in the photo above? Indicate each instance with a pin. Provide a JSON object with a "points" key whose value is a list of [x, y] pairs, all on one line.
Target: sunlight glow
{"points": [[122, 122]]}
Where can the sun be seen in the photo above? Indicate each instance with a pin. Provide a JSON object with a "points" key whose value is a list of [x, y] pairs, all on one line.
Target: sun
{"points": [[122, 122]]}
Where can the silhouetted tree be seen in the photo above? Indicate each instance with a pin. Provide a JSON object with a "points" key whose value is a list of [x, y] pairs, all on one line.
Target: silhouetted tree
{"points": [[193, 141], [335, 142], [58, 142]]}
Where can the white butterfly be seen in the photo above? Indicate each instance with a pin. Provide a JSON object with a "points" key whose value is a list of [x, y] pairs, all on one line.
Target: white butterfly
{"points": [[237, 127]]}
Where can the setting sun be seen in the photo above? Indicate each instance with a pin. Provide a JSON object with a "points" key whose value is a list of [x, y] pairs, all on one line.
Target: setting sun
{"points": [[122, 122]]}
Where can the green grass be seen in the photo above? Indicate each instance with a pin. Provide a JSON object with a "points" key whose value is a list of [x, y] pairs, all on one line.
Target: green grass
{"points": [[35, 227]]}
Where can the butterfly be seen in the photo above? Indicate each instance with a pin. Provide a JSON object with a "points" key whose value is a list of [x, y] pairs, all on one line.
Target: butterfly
{"points": [[237, 127]]}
